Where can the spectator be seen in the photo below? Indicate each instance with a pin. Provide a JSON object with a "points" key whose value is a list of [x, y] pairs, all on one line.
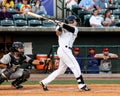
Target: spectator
{"points": [[18, 5], [0, 3], [76, 53], [108, 21], [25, 7], [94, 2], [17, 1], [86, 6], [8, 3], [38, 8], [111, 1], [71, 3], [102, 4], [93, 63], [105, 63], [73, 6], [95, 19], [4, 14]]}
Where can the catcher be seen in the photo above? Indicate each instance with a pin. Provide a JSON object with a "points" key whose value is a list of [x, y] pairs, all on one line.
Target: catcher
{"points": [[10, 65]]}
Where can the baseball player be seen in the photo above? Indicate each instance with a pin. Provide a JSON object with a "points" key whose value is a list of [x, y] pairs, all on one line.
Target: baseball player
{"points": [[12, 65], [105, 61], [67, 34]]}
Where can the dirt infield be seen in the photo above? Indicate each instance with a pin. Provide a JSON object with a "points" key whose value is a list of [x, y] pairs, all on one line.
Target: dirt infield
{"points": [[61, 90]]}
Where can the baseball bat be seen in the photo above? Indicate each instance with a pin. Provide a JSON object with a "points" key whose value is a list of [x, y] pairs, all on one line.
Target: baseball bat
{"points": [[42, 17], [37, 16]]}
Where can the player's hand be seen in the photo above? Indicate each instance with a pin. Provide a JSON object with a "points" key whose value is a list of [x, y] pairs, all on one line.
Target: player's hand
{"points": [[2, 66], [59, 23], [35, 62], [106, 57]]}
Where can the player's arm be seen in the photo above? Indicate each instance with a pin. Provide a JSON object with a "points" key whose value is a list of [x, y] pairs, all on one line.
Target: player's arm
{"points": [[98, 56], [58, 30], [4, 61], [31, 61], [68, 28], [113, 56]]}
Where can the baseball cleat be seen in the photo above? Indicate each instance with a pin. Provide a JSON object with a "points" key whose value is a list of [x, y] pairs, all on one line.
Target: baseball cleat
{"points": [[16, 86], [85, 88], [44, 87]]}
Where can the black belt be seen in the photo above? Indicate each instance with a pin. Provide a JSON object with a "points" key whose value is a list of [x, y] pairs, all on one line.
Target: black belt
{"points": [[68, 47], [105, 71]]}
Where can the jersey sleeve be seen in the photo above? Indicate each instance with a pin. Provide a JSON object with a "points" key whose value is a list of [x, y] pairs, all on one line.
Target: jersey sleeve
{"points": [[27, 58], [57, 28], [5, 59], [76, 31], [110, 54]]}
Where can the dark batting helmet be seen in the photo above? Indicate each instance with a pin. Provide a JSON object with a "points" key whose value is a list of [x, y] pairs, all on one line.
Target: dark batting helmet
{"points": [[16, 45], [70, 19]]}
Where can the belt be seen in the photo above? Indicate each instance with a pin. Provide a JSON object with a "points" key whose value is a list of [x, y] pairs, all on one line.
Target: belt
{"points": [[68, 47], [105, 71]]}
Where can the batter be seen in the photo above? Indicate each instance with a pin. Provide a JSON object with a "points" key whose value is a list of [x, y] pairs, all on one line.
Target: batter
{"points": [[67, 34]]}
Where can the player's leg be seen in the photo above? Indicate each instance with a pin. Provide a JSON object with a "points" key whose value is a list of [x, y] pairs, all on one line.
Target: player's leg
{"points": [[5, 75], [72, 63], [21, 76], [2, 78], [61, 69]]}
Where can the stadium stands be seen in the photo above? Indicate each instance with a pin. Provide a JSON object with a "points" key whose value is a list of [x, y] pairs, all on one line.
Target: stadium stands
{"points": [[7, 22], [28, 17], [12, 11], [115, 10], [18, 17], [34, 23], [20, 23]]}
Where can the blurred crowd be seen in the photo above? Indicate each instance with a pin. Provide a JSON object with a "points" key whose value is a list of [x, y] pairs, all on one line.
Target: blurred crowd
{"points": [[9, 8], [24, 6], [95, 13], [92, 13]]}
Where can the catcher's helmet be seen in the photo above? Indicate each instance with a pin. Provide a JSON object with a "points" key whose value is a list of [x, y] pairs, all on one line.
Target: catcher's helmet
{"points": [[70, 19], [16, 45]]}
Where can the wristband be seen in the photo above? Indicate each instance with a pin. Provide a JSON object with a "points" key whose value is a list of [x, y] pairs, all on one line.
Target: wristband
{"points": [[109, 56]]}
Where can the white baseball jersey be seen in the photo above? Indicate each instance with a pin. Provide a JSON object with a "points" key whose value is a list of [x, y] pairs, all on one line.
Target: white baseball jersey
{"points": [[65, 40], [6, 59]]}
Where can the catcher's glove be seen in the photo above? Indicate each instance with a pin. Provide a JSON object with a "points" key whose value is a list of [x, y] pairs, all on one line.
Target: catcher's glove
{"points": [[2, 66]]}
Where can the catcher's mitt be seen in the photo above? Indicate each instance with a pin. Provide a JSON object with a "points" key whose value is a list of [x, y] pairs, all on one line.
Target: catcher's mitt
{"points": [[2, 66]]}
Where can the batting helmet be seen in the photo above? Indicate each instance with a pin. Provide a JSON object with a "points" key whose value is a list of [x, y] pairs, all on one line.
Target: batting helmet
{"points": [[70, 19], [16, 45]]}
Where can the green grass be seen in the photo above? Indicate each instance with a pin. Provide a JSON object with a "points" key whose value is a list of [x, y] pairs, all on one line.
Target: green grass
{"points": [[87, 81], [73, 82]]}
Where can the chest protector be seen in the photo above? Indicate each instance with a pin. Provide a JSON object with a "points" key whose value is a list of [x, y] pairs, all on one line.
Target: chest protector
{"points": [[16, 61]]}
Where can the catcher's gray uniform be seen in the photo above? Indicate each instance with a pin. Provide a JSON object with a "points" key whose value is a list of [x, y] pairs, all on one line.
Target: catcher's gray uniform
{"points": [[14, 60], [9, 60]]}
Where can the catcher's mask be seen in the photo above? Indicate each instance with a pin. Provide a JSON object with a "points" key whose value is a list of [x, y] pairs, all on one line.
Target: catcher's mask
{"points": [[70, 19], [15, 47]]}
